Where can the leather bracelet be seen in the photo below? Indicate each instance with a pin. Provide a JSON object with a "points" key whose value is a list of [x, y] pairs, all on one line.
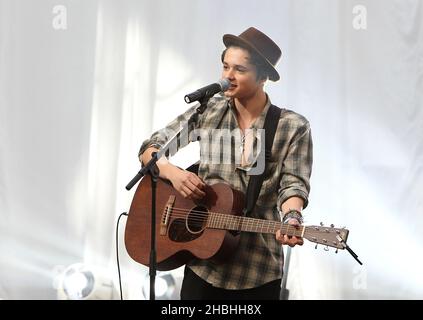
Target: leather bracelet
{"points": [[293, 214]]}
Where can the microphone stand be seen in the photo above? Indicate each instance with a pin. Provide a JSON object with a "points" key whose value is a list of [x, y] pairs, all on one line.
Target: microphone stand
{"points": [[152, 169]]}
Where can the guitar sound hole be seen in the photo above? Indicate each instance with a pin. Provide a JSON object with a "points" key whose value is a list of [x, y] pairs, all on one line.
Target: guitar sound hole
{"points": [[197, 219]]}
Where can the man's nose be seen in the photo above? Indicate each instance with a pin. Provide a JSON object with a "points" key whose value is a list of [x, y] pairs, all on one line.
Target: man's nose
{"points": [[229, 73]]}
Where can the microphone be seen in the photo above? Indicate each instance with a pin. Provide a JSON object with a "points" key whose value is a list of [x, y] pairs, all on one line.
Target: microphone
{"points": [[208, 91]]}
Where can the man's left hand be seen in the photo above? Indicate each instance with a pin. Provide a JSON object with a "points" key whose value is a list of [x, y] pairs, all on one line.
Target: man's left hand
{"points": [[290, 240]]}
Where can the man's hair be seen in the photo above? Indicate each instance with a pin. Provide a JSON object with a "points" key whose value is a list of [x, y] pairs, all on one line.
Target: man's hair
{"points": [[255, 60]]}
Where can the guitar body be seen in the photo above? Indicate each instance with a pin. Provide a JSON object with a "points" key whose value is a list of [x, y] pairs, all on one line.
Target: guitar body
{"points": [[180, 225]]}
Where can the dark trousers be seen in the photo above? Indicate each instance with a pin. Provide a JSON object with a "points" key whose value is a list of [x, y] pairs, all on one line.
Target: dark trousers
{"points": [[195, 288]]}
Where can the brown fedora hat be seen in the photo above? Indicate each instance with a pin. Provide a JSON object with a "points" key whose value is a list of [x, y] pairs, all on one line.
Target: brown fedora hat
{"points": [[261, 44]]}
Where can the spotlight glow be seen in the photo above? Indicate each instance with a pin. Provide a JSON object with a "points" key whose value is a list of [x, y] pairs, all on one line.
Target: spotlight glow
{"points": [[164, 286]]}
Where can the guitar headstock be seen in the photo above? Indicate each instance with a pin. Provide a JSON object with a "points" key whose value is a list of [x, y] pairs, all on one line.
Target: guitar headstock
{"points": [[327, 236]]}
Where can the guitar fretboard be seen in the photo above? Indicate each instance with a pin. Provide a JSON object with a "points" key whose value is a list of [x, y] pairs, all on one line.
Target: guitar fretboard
{"points": [[246, 224]]}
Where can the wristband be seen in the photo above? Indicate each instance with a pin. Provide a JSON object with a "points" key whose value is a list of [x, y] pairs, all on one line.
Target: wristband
{"points": [[293, 214]]}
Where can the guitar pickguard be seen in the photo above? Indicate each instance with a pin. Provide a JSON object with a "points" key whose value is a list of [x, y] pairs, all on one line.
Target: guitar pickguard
{"points": [[179, 233]]}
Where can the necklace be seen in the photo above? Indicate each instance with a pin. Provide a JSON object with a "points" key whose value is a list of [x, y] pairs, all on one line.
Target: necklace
{"points": [[245, 147], [244, 137]]}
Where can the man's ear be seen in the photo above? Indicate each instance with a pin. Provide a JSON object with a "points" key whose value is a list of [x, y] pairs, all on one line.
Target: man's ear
{"points": [[262, 81]]}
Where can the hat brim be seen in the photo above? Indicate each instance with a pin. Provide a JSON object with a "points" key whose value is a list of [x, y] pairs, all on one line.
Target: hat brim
{"points": [[230, 39]]}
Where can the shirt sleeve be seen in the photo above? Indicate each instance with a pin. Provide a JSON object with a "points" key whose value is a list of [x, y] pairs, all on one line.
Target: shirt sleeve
{"points": [[159, 138], [297, 165]]}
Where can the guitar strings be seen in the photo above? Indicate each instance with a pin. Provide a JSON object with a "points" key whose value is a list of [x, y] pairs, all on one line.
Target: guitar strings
{"points": [[198, 220], [201, 216], [268, 229], [309, 232], [204, 215], [197, 217]]}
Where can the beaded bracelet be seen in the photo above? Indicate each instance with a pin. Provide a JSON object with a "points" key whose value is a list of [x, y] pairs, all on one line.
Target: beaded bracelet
{"points": [[293, 214]]}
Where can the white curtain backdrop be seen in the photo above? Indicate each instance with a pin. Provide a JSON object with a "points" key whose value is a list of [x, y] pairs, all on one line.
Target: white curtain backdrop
{"points": [[76, 102]]}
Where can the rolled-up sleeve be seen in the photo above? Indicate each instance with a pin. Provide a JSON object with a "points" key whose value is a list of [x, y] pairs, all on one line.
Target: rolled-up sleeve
{"points": [[159, 138], [297, 165]]}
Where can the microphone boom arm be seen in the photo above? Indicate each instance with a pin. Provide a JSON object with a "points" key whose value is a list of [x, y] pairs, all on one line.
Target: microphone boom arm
{"points": [[156, 156]]}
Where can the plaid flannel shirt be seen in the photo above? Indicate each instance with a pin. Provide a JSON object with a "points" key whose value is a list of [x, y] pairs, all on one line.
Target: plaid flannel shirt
{"points": [[258, 258]]}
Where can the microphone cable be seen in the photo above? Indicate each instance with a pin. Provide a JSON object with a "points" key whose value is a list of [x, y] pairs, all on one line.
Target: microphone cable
{"points": [[117, 252]]}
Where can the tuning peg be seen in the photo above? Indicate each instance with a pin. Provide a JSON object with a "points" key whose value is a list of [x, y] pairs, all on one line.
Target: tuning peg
{"points": [[336, 250], [326, 248], [315, 247], [332, 225], [321, 223]]}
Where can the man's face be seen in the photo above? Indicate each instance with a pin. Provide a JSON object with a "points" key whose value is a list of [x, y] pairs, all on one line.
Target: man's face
{"points": [[241, 73]]}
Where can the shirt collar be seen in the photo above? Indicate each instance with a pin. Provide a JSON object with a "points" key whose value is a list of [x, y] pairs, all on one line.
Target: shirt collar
{"points": [[259, 122]]}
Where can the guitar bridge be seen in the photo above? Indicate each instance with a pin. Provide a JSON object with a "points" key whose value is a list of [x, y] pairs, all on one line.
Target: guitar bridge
{"points": [[166, 215]]}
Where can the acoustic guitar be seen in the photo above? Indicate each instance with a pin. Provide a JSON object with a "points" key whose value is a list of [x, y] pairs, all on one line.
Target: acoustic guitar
{"points": [[206, 229]]}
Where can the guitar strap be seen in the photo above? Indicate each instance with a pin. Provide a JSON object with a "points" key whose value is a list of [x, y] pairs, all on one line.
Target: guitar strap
{"points": [[256, 181]]}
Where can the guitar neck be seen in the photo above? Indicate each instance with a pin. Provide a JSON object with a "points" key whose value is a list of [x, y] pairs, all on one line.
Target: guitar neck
{"points": [[246, 224]]}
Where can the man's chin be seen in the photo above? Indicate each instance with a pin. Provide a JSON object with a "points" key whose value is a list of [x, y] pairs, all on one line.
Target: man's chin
{"points": [[229, 94]]}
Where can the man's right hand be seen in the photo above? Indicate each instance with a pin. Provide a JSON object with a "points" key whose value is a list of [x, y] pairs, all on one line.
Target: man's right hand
{"points": [[188, 184]]}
